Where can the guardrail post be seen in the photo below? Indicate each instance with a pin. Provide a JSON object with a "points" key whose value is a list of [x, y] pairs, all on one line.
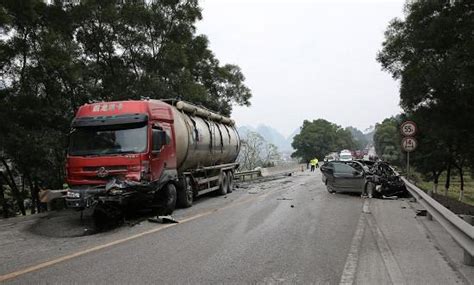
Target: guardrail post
{"points": [[468, 258], [429, 216]]}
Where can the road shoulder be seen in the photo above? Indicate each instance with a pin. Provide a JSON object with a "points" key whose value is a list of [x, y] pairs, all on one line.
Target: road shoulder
{"points": [[417, 255]]}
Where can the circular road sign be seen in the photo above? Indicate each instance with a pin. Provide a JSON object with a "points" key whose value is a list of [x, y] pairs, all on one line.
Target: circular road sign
{"points": [[408, 128], [409, 144]]}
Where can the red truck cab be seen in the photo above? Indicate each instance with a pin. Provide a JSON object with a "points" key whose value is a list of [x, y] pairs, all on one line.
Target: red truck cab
{"points": [[120, 145]]}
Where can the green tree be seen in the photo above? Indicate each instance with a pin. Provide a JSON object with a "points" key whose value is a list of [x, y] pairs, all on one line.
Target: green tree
{"points": [[387, 141], [431, 53], [56, 57], [320, 137], [359, 138]]}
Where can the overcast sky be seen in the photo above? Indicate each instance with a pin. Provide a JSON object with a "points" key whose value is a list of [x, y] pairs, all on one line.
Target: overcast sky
{"points": [[306, 59]]}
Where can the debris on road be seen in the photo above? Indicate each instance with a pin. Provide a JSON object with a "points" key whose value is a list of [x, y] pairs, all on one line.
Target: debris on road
{"points": [[163, 220], [292, 206], [284, 199], [389, 197], [421, 212]]}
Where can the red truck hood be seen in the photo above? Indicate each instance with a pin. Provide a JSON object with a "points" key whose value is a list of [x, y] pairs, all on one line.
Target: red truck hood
{"points": [[100, 169]]}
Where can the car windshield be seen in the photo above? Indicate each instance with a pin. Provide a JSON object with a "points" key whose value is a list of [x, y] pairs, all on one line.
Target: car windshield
{"points": [[346, 156], [100, 141]]}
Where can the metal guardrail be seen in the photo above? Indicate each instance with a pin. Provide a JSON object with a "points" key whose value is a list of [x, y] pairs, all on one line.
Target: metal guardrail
{"points": [[460, 230], [250, 173]]}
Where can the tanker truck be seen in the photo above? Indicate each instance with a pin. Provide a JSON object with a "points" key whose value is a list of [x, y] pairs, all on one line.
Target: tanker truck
{"points": [[148, 153]]}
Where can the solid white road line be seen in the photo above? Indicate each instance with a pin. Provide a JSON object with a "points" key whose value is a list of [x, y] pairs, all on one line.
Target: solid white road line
{"points": [[389, 260], [350, 268]]}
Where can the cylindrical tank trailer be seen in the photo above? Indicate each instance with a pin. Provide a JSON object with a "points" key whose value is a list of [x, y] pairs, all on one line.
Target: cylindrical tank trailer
{"points": [[203, 138]]}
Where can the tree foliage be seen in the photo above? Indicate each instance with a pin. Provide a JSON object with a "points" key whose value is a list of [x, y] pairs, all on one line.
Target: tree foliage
{"points": [[387, 141], [320, 137], [360, 139], [56, 57], [431, 52]]}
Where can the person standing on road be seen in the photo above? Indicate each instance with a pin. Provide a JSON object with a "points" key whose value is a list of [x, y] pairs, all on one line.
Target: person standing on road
{"points": [[313, 163], [317, 163]]}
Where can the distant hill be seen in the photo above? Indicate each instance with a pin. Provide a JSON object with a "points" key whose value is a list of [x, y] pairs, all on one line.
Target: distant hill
{"points": [[271, 135], [293, 134], [244, 130]]}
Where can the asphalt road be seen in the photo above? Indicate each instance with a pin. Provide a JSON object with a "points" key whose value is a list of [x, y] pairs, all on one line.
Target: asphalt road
{"points": [[289, 230]]}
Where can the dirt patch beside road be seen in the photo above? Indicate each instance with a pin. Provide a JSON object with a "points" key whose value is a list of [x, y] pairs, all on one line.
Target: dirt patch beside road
{"points": [[455, 206]]}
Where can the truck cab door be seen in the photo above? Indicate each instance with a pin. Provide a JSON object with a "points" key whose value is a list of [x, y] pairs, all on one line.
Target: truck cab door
{"points": [[162, 152]]}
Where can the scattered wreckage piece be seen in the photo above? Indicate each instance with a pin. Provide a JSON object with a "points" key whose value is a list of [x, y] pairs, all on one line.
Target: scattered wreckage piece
{"points": [[388, 184], [163, 220]]}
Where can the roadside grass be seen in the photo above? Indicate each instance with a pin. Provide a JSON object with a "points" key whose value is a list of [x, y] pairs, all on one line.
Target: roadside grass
{"points": [[454, 188]]}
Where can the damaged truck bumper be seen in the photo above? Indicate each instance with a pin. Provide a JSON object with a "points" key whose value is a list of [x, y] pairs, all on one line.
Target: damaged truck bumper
{"points": [[115, 191]]}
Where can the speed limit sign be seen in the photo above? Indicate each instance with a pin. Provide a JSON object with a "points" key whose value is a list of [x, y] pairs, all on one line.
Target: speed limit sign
{"points": [[408, 129], [409, 144]]}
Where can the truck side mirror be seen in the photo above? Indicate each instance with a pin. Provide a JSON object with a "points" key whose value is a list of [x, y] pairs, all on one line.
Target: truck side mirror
{"points": [[159, 139]]}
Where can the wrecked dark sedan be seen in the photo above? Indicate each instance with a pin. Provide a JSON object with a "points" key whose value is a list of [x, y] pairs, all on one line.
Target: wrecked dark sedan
{"points": [[373, 179]]}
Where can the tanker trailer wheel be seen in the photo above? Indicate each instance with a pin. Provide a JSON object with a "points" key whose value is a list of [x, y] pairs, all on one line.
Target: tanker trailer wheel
{"points": [[223, 184], [230, 179], [167, 199], [185, 193]]}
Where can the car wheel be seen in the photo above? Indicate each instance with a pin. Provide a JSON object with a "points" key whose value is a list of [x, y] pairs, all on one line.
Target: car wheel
{"points": [[330, 190]]}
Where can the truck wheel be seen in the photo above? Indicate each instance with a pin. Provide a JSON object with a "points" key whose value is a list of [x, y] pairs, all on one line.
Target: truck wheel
{"points": [[169, 198], [230, 179], [223, 184], [185, 193]]}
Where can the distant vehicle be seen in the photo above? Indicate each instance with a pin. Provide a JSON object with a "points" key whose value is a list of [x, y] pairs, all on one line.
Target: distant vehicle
{"points": [[331, 157], [345, 155], [362, 176]]}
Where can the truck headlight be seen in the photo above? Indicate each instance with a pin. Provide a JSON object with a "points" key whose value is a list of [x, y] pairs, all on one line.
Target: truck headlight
{"points": [[71, 194], [116, 191]]}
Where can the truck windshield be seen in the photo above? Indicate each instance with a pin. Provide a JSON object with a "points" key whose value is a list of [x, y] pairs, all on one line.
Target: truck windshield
{"points": [[100, 141]]}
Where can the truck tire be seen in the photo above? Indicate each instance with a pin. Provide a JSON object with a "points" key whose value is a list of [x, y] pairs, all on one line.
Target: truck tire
{"points": [[223, 184], [168, 197], [230, 183], [185, 193]]}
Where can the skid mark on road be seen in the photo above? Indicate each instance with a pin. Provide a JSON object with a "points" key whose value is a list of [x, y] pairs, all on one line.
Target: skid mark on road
{"points": [[52, 262]]}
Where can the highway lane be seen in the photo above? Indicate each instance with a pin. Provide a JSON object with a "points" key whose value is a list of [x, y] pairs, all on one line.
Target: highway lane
{"points": [[287, 230]]}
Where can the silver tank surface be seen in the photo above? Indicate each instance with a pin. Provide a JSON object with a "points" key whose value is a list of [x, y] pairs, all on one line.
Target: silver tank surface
{"points": [[203, 138]]}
